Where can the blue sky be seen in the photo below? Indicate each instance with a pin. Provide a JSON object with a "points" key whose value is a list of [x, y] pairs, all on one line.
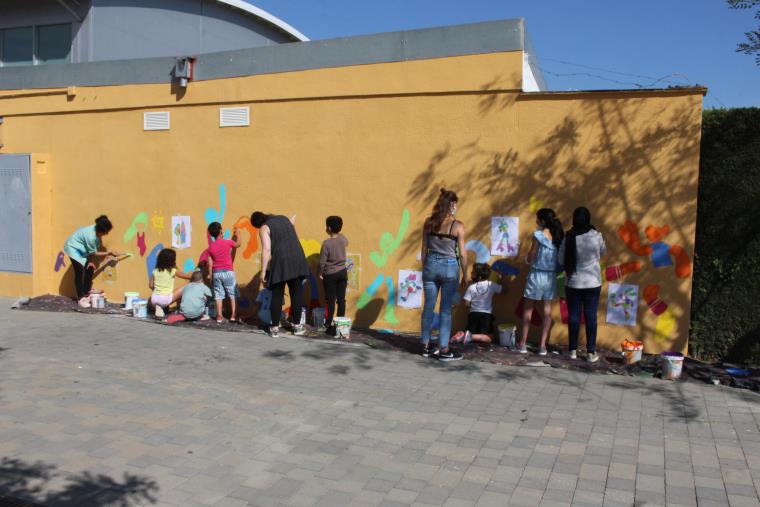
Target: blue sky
{"points": [[682, 41]]}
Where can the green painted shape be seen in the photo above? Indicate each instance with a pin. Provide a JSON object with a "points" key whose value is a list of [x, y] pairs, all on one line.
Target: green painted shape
{"points": [[389, 243], [140, 218]]}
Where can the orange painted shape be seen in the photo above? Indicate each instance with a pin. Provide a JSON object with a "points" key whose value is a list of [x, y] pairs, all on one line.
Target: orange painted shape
{"points": [[629, 233], [253, 239], [683, 263], [651, 296], [655, 234]]}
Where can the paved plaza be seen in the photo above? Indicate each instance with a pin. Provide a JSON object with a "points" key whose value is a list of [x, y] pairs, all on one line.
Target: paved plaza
{"points": [[103, 410]]}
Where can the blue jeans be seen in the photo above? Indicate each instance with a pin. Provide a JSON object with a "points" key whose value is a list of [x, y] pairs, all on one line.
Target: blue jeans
{"points": [[440, 274], [587, 301]]}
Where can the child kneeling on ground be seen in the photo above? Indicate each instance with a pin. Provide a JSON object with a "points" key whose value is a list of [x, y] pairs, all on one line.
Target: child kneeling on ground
{"points": [[193, 303], [479, 297]]}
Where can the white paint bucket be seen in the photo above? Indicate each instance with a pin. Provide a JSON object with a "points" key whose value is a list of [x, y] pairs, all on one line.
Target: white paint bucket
{"points": [[318, 317], [672, 365], [97, 301], [507, 335], [140, 308], [129, 297], [343, 327], [632, 351]]}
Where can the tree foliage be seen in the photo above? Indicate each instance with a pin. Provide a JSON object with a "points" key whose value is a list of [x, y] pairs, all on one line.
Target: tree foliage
{"points": [[752, 45]]}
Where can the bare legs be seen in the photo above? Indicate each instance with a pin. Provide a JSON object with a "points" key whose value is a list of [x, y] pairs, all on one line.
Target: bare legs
{"points": [[545, 309]]}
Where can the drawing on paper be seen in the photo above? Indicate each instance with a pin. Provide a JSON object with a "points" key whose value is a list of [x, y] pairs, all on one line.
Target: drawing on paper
{"points": [[181, 230], [409, 288], [504, 236], [353, 269], [622, 304]]}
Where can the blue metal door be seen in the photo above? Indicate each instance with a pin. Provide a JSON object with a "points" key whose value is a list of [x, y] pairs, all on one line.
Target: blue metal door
{"points": [[15, 214]]}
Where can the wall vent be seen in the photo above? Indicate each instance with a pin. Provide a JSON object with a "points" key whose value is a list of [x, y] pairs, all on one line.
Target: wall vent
{"points": [[156, 121], [234, 116]]}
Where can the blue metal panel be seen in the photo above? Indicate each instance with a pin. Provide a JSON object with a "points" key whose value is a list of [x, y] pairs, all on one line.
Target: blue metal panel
{"points": [[15, 214]]}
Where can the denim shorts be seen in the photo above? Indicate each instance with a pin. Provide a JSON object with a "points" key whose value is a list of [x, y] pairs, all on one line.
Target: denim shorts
{"points": [[541, 285], [225, 281]]}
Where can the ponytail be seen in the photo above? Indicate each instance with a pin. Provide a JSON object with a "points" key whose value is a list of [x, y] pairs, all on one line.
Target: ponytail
{"points": [[550, 220], [441, 209]]}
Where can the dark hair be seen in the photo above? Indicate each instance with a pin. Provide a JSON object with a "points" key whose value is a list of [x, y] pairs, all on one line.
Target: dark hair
{"points": [[258, 219], [480, 271], [197, 276], [581, 225], [549, 219], [215, 229], [103, 225], [166, 260], [334, 223], [441, 209]]}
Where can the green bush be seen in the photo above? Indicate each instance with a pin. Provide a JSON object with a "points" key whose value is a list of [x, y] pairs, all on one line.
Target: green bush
{"points": [[725, 309]]}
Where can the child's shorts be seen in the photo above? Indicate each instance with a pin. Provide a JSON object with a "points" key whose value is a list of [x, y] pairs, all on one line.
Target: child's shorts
{"points": [[480, 323], [541, 285], [224, 281], [161, 299]]}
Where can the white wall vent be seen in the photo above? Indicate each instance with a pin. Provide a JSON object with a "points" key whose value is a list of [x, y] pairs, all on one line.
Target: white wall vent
{"points": [[234, 116], [156, 121]]}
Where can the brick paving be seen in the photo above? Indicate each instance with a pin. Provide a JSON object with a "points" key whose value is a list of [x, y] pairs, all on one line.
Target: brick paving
{"points": [[102, 410]]}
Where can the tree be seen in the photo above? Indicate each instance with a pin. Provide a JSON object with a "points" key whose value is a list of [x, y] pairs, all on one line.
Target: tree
{"points": [[752, 46]]}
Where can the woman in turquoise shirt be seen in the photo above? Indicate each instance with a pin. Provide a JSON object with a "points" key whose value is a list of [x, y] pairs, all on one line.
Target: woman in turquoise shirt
{"points": [[82, 247], [541, 284]]}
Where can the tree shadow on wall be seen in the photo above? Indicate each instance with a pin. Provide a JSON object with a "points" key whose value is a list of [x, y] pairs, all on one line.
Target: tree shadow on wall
{"points": [[607, 155], [30, 482]]}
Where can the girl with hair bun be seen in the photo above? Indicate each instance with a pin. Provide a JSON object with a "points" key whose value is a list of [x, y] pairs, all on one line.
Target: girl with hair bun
{"points": [[541, 284], [442, 258]]}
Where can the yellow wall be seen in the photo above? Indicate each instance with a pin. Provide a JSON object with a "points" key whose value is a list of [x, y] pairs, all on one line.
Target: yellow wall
{"points": [[367, 143]]}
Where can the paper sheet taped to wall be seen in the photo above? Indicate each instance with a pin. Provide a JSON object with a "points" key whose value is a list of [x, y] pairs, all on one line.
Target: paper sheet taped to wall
{"points": [[181, 232], [505, 236]]}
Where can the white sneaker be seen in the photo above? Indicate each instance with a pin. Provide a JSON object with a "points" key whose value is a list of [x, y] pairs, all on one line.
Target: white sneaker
{"points": [[84, 302], [299, 330], [542, 351], [573, 354], [160, 312], [592, 357], [523, 349]]}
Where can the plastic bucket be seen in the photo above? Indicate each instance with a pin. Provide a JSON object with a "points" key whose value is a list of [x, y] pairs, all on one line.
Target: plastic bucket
{"points": [[140, 308], [672, 365], [507, 335], [129, 297], [343, 327], [97, 301], [632, 351], [318, 317]]}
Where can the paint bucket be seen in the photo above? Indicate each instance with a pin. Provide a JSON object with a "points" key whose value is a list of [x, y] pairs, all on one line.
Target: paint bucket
{"points": [[140, 308], [129, 297], [507, 335], [318, 317], [672, 365], [343, 327], [302, 320], [632, 351], [97, 301]]}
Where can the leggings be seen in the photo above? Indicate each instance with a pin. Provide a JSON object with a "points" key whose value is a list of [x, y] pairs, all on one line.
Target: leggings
{"points": [[278, 296], [335, 290], [82, 278]]}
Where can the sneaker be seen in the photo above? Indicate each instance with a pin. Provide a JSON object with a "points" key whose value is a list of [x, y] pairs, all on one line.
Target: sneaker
{"points": [[84, 302], [523, 349], [573, 354], [449, 356], [458, 337], [430, 351], [467, 338], [542, 351], [160, 312], [592, 357], [274, 331], [299, 329]]}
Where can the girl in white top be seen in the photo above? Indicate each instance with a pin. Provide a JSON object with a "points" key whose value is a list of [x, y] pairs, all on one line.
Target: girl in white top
{"points": [[479, 297], [579, 254]]}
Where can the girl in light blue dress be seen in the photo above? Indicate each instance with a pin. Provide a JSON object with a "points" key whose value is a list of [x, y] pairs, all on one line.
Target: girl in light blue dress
{"points": [[541, 284]]}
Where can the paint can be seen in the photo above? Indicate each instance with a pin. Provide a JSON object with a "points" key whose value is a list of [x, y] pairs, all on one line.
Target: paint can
{"points": [[507, 335], [129, 297], [140, 308], [318, 317], [97, 300], [632, 351], [672, 365], [343, 327], [302, 320]]}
